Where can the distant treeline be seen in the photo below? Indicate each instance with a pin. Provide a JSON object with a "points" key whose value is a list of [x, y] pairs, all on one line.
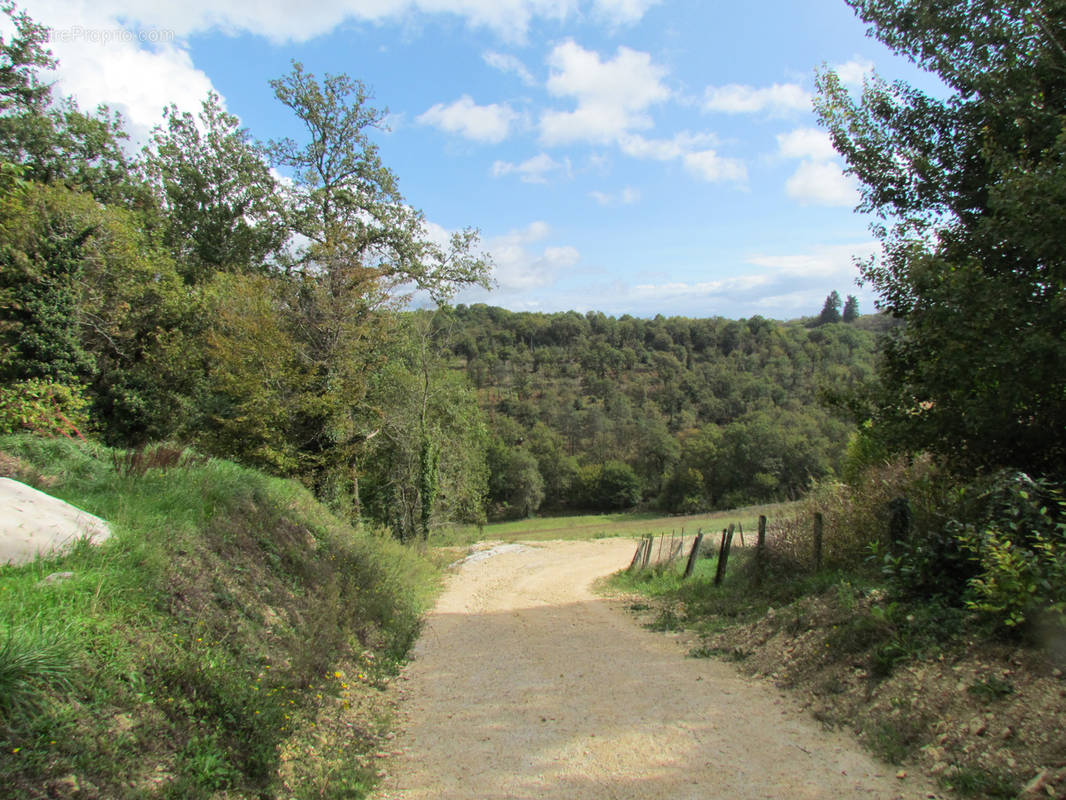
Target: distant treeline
{"points": [[597, 412]]}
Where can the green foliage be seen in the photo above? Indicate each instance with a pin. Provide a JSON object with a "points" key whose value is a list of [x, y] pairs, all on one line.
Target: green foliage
{"points": [[831, 310], [33, 660], [222, 209], [425, 465], [44, 407], [203, 635], [970, 188], [1018, 543], [516, 488], [734, 402], [612, 486], [851, 309]]}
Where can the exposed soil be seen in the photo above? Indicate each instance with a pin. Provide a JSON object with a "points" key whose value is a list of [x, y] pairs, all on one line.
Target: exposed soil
{"points": [[986, 718], [526, 684]]}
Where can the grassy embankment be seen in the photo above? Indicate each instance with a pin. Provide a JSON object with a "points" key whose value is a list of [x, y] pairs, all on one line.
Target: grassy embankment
{"points": [[230, 639]]}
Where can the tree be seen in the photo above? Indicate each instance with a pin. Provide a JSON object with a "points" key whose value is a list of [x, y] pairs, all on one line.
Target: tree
{"points": [[21, 58], [427, 464], [851, 309], [222, 210], [363, 235], [366, 250], [831, 310], [970, 190], [51, 138], [516, 488]]}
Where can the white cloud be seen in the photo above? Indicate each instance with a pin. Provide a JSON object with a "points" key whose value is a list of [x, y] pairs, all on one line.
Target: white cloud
{"points": [[533, 170], [622, 12], [672, 149], [711, 167], [692, 150], [491, 123], [828, 261], [677, 291], [612, 96], [130, 54], [100, 62], [782, 286], [855, 71], [735, 98], [822, 183], [277, 21], [810, 143], [627, 197], [521, 266], [505, 62]]}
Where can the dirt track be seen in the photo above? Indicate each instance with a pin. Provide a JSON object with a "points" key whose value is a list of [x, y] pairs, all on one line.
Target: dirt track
{"points": [[525, 684]]}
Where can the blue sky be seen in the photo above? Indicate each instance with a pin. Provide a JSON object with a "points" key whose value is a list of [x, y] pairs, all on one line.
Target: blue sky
{"points": [[628, 156]]}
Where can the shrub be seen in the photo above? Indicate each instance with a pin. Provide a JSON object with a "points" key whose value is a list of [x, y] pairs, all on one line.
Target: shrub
{"points": [[53, 409], [1016, 537]]}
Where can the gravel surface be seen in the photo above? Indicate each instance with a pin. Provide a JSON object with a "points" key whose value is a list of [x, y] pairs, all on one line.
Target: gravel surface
{"points": [[526, 684]]}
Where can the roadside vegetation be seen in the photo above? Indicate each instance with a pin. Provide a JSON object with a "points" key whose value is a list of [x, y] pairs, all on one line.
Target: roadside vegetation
{"points": [[935, 624], [230, 639], [945, 648]]}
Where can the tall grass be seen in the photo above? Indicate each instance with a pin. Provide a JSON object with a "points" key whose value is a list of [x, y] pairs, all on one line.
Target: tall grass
{"points": [[33, 659]]}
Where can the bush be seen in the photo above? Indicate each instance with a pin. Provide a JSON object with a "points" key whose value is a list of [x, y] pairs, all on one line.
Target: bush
{"points": [[1016, 538], [45, 407], [857, 516]]}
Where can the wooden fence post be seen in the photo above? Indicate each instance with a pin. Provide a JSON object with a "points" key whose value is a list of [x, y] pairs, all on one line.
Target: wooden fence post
{"points": [[723, 555], [760, 549], [637, 556], [818, 523], [647, 550], [694, 554]]}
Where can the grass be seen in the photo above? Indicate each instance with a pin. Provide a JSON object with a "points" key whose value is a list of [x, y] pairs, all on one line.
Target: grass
{"points": [[228, 625], [594, 526]]}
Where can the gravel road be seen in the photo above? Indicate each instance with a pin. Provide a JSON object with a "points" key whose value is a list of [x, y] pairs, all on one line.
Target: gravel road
{"points": [[526, 684]]}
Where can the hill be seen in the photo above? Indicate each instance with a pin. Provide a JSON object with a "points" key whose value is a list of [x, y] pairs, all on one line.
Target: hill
{"points": [[598, 413]]}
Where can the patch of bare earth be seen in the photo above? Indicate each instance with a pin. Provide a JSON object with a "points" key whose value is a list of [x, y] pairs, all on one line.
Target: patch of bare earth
{"points": [[526, 684]]}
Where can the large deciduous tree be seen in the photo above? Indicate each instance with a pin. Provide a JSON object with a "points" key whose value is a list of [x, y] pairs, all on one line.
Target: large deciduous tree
{"points": [[969, 190], [359, 250]]}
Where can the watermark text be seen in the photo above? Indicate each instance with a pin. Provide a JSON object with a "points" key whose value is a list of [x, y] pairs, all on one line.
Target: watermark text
{"points": [[105, 36]]}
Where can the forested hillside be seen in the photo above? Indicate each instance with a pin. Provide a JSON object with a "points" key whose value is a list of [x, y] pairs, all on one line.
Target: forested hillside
{"points": [[187, 292], [596, 412]]}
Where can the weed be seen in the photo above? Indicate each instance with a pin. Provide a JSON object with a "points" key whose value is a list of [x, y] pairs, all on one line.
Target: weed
{"points": [[894, 740], [667, 620], [991, 688], [977, 782], [886, 657], [724, 653], [203, 762]]}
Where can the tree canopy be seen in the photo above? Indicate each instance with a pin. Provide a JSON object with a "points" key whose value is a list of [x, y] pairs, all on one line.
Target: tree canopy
{"points": [[968, 191]]}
